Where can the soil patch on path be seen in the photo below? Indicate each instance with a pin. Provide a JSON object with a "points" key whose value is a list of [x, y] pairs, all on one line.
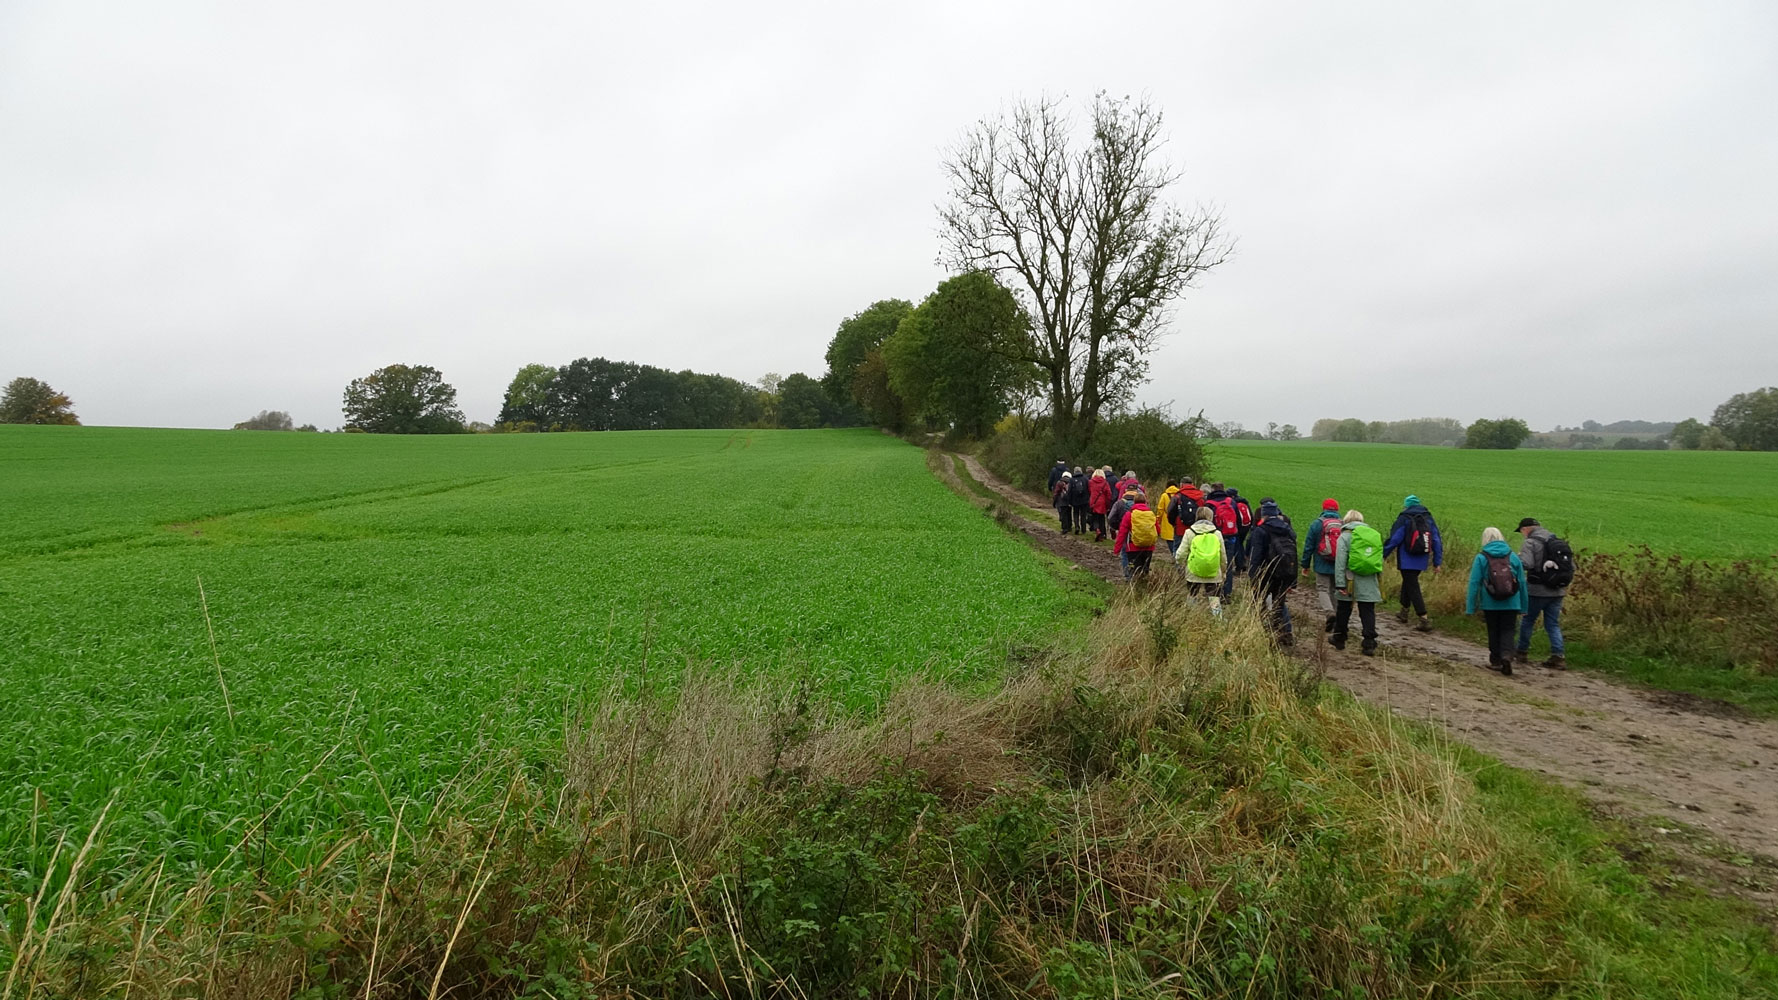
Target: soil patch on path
{"points": [[1684, 763]]}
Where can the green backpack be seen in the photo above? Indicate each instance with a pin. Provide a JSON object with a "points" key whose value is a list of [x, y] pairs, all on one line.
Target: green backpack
{"points": [[1364, 555], [1204, 558]]}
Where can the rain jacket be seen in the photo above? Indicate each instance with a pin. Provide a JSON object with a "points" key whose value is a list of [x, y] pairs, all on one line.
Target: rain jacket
{"points": [[1187, 500], [1478, 583], [1164, 506], [1531, 554], [1312, 557], [1119, 509], [1363, 589], [1059, 493], [1201, 528], [1099, 494], [1056, 474], [1259, 548], [1123, 530], [1398, 541], [1078, 491]]}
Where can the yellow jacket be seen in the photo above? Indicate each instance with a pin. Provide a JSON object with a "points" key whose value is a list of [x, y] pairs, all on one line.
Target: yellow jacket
{"points": [[1166, 500]]}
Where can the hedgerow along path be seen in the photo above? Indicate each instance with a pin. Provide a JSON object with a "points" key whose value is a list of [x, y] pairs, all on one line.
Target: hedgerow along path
{"points": [[392, 613], [1641, 753], [1704, 504]]}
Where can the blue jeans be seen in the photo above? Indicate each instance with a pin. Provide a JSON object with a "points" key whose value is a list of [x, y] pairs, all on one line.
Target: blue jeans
{"points": [[1233, 561], [1551, 610]]}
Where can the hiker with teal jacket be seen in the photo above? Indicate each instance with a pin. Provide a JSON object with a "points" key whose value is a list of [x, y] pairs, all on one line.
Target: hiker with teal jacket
{"points": [[1498, 588], [1358, 571]]}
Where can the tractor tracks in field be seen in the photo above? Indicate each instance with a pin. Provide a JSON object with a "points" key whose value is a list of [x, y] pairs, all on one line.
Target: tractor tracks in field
{"points": [[1667, 764]]}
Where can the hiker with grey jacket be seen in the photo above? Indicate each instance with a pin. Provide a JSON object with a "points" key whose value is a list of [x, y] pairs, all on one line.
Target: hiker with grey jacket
{"points": [[1549, 569], [1358, 569]]}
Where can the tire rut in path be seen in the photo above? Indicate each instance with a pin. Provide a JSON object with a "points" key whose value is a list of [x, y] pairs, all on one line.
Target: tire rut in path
{"points": [[1628, 750]]}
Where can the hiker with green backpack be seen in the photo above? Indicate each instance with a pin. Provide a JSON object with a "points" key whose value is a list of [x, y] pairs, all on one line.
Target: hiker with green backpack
{"points": [[1205, 560], [1358, 569]]}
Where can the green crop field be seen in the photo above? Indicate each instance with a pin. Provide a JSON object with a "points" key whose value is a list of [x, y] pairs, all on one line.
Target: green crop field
{"points": [[388, 611], [1707, 504]]}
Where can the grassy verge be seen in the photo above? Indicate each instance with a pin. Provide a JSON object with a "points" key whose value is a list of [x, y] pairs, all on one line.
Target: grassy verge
{"points": [[1158, 806]]}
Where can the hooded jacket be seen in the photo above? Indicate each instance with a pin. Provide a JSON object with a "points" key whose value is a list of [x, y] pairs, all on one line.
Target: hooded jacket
{"points": [[1531, 554], [1312, 557], [1078, 491], [1272, 522], [1184, 510], [1059, 492], [1478, 589], [1165, 506], [1119, 509], [1099, 494], [1398, 541], [1123, 530], [1056, 474], [1363, 589], [1202, 528]]}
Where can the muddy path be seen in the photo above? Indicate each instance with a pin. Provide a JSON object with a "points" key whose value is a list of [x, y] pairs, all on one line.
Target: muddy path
{"points": [[1666, 762]]}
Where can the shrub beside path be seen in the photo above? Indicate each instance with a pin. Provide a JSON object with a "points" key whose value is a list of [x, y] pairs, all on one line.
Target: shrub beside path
{"points": [[1635, 753]]}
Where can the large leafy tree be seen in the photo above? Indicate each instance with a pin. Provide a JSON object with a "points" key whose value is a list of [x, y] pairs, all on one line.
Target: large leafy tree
{"points": [[1750, 419], [32, 401], [957, 359], [527, 398], [803, 403], [403, 399], [1080, 229], [1504, 434], [857, 337]]}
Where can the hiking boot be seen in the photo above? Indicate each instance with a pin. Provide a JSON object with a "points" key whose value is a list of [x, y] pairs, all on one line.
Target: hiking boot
{"points": [[1368, 650], [1557, 662], [1286, 641], [1506, 667], [1522, 656], [1328, 625], [1339, 644], [1424, 626], [1402, 616]]}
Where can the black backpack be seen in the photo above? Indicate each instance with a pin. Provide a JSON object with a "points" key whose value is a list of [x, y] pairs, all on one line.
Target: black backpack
{"points": [[1557, 551], [1419, 541], [1280, 557], [1501, 581]]}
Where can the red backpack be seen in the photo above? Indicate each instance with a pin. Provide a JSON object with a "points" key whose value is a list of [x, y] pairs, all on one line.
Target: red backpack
{"points": [[1243, 513], [1329, 545], [1224, 516]]}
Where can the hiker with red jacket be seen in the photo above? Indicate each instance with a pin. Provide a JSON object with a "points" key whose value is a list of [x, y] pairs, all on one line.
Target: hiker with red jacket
{"points": [[1320, 544], [1183, 509], [1225, 514], [1271, 556], [1497, 587], [1098, 503], [1137, 534], [1415, 541], [1059, 500], [1115, 520]]}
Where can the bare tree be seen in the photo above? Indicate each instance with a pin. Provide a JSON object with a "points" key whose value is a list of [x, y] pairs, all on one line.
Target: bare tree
{"points": [[1084, 238]]}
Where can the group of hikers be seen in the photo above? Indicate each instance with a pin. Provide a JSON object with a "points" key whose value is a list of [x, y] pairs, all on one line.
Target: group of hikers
{"points": [[1213, 534]]}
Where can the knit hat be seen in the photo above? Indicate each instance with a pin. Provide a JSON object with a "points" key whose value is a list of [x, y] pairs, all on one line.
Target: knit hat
{"points": [[1411, 501], [1330, 504], [1077, 470], [1268, 508], [1130, 494], [1530, 522]]}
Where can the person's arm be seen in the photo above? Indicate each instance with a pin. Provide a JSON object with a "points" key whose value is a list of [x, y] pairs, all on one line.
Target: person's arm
{"points": [[1123, 533], [1396, 532], [1438, 548], [1473, 596], [1341, 577], [1524, 588], [1312, 539]]}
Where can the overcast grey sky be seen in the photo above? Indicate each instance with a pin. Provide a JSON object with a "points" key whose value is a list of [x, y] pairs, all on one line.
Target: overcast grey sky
{"points": [[209, 209]]}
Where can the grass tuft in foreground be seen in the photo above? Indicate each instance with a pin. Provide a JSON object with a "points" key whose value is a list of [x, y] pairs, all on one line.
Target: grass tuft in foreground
{"points": [[1160, 808]]}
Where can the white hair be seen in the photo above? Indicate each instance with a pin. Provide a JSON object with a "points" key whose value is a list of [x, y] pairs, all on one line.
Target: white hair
{"points": [[1492, 535]]}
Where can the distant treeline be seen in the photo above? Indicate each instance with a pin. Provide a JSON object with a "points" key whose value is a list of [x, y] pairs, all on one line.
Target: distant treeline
{"points": [[597, 394], [1425, 430]]}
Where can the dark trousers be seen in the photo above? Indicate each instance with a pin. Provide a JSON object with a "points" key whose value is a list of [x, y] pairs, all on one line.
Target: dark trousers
{"points": [[1236, 560], [1067, 514], [1367, 619], [1080, 518], [1278, 609], [1500, 634], [1410, 592], [1137, 563], [1096, 523]]}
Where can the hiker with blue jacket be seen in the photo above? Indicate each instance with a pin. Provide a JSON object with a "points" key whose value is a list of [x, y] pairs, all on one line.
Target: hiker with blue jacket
{"points": [[1415, 542], [1358, 569], [1320, 544], [1497, 587]]}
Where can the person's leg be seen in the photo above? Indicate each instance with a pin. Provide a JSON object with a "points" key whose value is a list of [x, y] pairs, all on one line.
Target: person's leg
{"points": [[1528, 625], [1412, 597], [1324, 598], [1229, 551], [1407, 591], [1080, 520], [1342, 620], [1139, 563], [1552, 625], [1281, 613], [1367, 617], [1123, 559]]}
